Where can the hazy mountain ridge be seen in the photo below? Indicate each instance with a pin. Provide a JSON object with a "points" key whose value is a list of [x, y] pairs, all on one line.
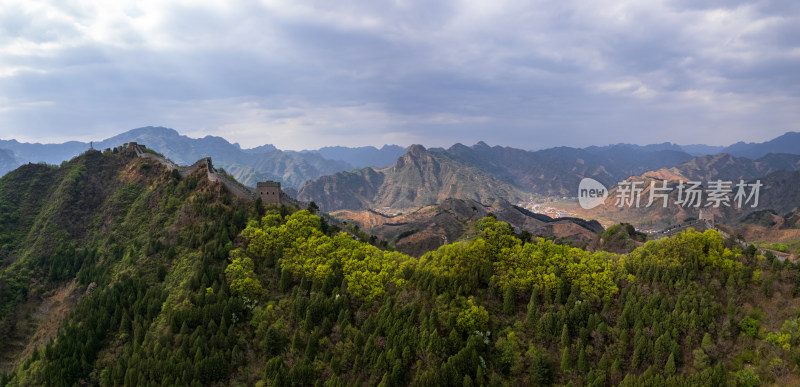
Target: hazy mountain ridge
{"points": [[419, 178], [267, 163], [702, 149], [361, 157], [46, 153], [424, 177], [8, 161], [788, 142], [646, 148], [248, 166], [557, 171], [727, 167], [553, 171]]}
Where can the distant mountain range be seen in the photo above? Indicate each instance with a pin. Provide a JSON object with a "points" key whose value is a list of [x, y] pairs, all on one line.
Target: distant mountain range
{"points": [[727, 167], [247, 165], [787, 143], [394, 176], [423, 177], [365, 156]]}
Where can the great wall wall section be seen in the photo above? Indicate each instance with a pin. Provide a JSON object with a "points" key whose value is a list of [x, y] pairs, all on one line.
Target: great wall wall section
{"points": [[706, 222], [273, 195]]}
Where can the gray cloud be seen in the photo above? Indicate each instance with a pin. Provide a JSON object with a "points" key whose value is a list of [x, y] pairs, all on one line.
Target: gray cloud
{"points": [[514, 73]]}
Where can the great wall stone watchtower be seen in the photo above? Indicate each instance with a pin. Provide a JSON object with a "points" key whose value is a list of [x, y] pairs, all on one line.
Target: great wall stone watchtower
{"points": [[269, 192], [707, 216]]}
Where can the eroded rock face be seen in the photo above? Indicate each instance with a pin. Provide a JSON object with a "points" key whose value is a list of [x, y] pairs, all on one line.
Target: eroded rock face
{"points": [[418, 231], [419, 178]]}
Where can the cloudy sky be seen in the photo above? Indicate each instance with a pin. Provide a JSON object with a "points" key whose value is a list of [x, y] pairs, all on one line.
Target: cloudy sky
{"points": [[302, 74]]}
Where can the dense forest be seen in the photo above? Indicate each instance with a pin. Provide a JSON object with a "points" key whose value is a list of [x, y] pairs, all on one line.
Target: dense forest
{"points": [[179, 283]]}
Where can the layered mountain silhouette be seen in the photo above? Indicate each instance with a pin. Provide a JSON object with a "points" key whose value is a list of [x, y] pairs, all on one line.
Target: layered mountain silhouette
{"points": [[264, 162], [360, 157], [424, 177], [393, 176], [248, 166], [727, 167], [787, 143]]}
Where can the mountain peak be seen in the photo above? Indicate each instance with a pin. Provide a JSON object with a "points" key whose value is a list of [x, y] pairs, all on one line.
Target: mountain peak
{"points": [[153, 130], [786, 136], [416, 150]]}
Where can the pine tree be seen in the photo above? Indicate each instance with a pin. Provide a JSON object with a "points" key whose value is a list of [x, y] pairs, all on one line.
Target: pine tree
{"points": [[565, 360], [509, 300], [480, 376], [385, 381], [541, 370], [583, 364], [564, 336], [286, 280], [636, 359], [669, 368], [707, 344], [701, 360], [533, 308], [603, 363], [297, 341], [617, 365]]}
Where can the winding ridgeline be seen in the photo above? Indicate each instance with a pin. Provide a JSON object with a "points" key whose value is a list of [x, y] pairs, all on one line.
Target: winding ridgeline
{"points": [[230, 183], [119, 270]]}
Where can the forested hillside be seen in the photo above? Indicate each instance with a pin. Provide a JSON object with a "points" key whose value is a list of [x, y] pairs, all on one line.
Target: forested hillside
{"points": [[177, 283], [104, 229]]}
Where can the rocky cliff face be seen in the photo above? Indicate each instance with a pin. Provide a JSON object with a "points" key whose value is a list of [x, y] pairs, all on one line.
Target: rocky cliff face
{"points": [[419, 178], [427, 228], [344, 190]]}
